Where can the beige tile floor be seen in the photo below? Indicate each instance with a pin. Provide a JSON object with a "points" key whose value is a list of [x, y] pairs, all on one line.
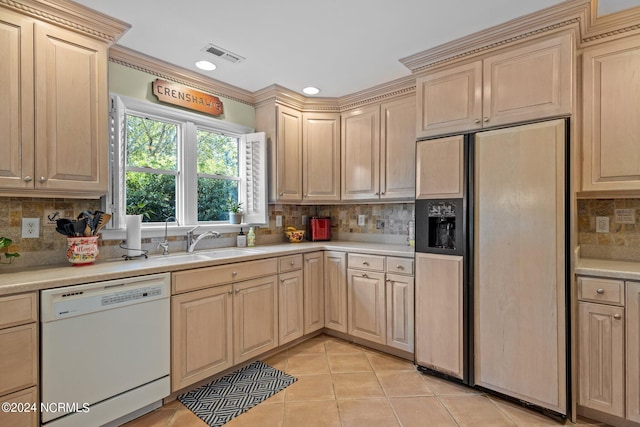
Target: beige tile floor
{"points": [[344, 385]]}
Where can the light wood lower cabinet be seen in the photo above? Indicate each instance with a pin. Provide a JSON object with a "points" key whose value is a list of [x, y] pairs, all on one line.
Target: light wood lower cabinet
{"points": [[400, 309], [313, 292], [255, 317], [601, 357], [632, 309], [24, 418], [290, 307], [439, 313], [335, 291], [367, 307], [201, 335]]}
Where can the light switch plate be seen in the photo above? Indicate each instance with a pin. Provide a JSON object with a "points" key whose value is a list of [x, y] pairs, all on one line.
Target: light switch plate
{"points": [[30, 228], [278, 220], [602, 224], [304, 220], [361, 220]]}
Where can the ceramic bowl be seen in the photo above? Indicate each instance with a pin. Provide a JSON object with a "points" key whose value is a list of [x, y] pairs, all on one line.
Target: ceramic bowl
{"points": [[295, 236]]}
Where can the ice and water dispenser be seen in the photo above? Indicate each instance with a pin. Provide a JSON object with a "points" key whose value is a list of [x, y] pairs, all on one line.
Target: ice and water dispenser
{"points": [[439, 226]]}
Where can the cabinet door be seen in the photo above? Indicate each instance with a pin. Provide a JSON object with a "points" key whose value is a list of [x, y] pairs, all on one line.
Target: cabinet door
{"points": [[313, 292], [288, 154], [335, 291], [398, 149], [611, 129], [367, 308], [633, 351], [71, 111], [528, 83], [601, 357], [18, 358], [360, 168], [400, 321], [16, 109], [290, 307], [440, 168], [450, 100], [439, 313], [201, 335], [255, 317], [321, 156], [21, 419]]}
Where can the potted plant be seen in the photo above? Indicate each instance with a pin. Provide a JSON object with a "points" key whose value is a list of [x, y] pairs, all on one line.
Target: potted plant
{"points": [[5, 243], [235, 211]]}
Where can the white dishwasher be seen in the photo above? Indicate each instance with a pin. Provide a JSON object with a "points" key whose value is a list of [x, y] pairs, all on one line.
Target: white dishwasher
{"points": [[104, 351]]}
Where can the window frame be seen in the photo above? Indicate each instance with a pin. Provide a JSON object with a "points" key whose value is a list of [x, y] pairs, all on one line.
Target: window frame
{"points": [[114, 201]]}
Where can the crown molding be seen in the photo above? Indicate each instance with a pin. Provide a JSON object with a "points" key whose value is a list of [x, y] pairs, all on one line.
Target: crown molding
{"points": [[398, 87], [73, 16], [141, 62], [614, 25], [566, 14]]}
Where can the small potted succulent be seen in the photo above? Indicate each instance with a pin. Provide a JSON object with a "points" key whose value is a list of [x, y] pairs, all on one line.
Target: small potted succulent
{"points": [[235, 211], [5, 243]]}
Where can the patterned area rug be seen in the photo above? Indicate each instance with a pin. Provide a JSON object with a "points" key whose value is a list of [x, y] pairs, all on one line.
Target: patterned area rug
{"points": [[222, 400]]}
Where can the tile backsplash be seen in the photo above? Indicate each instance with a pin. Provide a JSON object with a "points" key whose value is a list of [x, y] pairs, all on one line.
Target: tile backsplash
{"points": [[622, 241], [384, 223]]}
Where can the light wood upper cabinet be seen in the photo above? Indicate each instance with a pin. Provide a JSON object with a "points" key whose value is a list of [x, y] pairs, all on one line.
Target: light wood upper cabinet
{"points": [[439, 313], [290, 306], [57, 108], [632, 309], [601, 357], [611, 129], [397, 148], [335, 290], [449, 101], [321, 156], [525, 83], [289, 154], [313, 291], [378, 151], [367, 307], [440, 168], [361, 154], [201, 335]]}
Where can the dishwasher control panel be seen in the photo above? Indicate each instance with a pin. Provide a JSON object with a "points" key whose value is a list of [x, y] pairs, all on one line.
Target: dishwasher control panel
{"points": [[71, 301]]}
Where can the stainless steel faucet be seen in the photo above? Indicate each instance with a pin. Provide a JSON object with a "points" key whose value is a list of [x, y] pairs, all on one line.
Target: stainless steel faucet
{"points": [[165, 243], [191, 243]]}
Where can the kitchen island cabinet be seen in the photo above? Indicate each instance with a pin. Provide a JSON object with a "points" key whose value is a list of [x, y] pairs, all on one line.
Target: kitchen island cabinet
{"points": [[56, 81], [490, 91]]}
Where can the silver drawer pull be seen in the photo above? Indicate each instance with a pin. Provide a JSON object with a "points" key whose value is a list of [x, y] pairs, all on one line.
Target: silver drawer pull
{"points": [[281, 280], [230, 292], [234, 273], [399, 267], [365, 263], [292, 263], [600, 291], [237, 291], [617, 316], [364, 275]]}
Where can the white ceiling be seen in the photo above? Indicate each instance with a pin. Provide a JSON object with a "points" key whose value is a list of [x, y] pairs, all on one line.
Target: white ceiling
{"points": [[340, 46]]}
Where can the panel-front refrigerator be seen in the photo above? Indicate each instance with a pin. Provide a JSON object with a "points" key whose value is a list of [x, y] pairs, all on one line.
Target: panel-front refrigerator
{"points": [[496, 316]]}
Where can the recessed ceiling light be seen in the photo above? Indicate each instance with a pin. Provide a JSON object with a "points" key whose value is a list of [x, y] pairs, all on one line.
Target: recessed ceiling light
{"points": [[205, 65], [311, 90]]}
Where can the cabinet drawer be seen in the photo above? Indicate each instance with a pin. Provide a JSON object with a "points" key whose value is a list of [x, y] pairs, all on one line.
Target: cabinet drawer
{"points": [[24, 418], [399, 265], [366, 262], [289, 263], [18, 357], [200, 278], [601, 290], [18, 309]]}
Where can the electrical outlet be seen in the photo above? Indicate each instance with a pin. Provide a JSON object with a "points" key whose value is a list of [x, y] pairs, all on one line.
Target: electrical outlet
{"points": [[278, 220], [30, 228], [361, 220], [304, 220], [602, 224]]}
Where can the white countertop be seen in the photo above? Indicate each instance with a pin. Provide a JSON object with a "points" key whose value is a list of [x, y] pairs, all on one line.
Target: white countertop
{"points": [[625, 270], [51, 277]]}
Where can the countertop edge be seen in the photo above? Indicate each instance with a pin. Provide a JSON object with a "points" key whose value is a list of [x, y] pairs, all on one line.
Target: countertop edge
{"points": [[67, 275], [625, 270]]}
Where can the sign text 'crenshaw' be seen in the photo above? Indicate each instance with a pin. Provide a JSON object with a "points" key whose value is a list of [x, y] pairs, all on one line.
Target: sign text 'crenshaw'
{"points": [[173, 93]]}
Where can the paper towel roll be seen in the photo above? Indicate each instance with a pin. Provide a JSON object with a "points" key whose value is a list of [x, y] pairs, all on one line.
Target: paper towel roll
{"points": [[134, 234]]}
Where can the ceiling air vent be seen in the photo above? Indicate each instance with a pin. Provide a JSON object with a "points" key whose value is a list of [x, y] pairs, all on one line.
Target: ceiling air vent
{"points": [[222, 53]]}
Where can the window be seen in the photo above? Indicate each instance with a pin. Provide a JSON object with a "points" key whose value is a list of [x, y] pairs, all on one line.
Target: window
{"points": [[170, 164]]}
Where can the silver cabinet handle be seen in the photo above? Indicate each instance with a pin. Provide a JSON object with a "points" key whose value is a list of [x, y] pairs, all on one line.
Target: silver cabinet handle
{"points": [[306, 195], [234, 273], [365, 263], [617, 316], [364, 275], [476, 121], [27, 178], [292, 263], [486, 119], [281, 193], [42, 179], [281, 280], [382, 193], [237, 291], [399, 267], [388, 280], [376, 193], [230, 292], [600, 291]]}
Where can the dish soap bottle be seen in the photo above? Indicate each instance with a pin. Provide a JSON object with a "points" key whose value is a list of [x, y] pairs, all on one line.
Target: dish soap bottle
{"points": [[241, 240], [251, 237]]}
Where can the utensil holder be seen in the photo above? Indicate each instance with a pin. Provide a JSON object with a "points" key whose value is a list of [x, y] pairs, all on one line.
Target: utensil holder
{"points": [[82, 250]]}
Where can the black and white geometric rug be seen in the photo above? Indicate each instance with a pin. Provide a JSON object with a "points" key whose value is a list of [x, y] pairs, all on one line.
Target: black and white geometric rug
{"points": [[222, 400]]}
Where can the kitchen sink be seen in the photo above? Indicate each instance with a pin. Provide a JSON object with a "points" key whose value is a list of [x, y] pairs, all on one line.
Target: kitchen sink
{"points": [[213, 254]]}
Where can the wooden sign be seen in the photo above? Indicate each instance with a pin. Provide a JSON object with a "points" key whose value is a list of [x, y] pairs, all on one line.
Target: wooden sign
{"points": [[176, 94]]}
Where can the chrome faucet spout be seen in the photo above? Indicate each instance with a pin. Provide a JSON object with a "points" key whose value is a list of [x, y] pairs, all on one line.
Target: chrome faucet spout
{"points": [[191, 243], [165, 243]]}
